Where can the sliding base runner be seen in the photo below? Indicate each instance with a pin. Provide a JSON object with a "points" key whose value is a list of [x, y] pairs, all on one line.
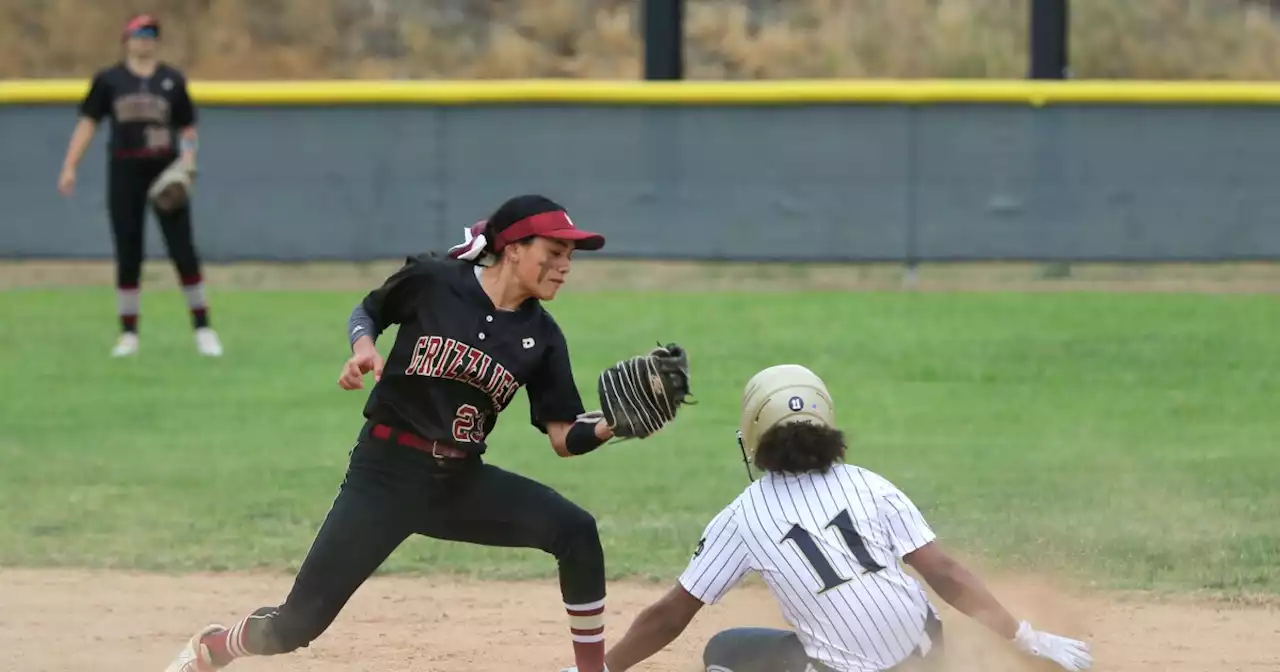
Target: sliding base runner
{"points": [[827, 539]]}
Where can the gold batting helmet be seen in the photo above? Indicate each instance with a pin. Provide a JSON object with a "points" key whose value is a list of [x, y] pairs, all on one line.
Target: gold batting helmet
{"points": [[778, 395]]}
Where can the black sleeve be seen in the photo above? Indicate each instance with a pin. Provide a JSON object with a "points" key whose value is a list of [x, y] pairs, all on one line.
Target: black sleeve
{"points": [[184, 111], [553, 396], [397, 299], [97, 102]]}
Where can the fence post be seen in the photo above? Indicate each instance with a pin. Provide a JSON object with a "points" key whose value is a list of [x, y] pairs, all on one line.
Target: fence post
{"points": [[1050, 35], [1050, 31], [664, 39]]}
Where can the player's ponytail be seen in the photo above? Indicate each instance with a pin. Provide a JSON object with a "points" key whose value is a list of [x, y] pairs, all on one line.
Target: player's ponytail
{"points": [[476, 246], [480, 244]]}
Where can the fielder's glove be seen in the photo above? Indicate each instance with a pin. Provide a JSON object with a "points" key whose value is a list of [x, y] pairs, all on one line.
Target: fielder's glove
{"points": [[172, 189], [1069, 654], [640, 395]]}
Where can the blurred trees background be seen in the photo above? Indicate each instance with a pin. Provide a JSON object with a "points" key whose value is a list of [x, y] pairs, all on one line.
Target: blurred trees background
{"points": [[726, 39]]}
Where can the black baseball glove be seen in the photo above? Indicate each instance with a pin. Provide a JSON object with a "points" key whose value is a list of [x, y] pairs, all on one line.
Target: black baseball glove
{"points": [[640, 395]]}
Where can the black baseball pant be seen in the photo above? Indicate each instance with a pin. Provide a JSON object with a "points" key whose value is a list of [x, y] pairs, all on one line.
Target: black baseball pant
{"points": [[772, 650], [392, 491], [127, 183]]}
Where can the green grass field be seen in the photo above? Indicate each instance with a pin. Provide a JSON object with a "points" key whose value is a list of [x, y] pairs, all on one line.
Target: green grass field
{"points": [[1123, 440]]}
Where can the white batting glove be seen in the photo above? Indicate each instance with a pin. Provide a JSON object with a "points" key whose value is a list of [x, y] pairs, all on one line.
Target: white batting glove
{"points": [[1068, 653]]}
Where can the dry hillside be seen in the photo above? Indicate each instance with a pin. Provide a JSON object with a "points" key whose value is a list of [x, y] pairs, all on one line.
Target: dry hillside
{"points": [[727, 39]]}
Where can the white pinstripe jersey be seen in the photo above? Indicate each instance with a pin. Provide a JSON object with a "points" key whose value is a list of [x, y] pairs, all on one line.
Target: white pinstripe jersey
{"points": [[828, 546]]}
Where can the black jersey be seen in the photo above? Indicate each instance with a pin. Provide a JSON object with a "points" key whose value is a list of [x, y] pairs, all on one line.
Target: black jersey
{"points": [[458, 361], [146, 112]]}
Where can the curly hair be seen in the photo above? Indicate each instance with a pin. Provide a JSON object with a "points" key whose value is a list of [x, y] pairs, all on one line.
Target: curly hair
{"points": [[799, 447]]}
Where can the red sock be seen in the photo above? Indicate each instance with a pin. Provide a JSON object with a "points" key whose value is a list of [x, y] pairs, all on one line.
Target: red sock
{"points": [[227, 645], [218, 649], [586, 624]]}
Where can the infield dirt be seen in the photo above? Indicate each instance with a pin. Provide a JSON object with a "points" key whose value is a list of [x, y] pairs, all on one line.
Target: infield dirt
{"points": [[73, 620]]}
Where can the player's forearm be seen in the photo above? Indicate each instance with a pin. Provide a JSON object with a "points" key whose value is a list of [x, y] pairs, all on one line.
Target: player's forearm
{"points": [[570, 439], [963, 590], [189, 141], [363, 345], [81, 136], [361, 327], [650, 633]]}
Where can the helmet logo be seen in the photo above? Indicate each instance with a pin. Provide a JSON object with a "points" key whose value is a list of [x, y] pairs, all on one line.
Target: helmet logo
{"points": [[655, 383], [795, 404]]}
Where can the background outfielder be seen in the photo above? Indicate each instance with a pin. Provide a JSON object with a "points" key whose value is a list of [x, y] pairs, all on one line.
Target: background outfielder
{"points": [[151, 158], [827, 539], [472, 332]]}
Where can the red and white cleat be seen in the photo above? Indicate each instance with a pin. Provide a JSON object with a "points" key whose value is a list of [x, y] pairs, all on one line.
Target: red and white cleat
{"points": [[194, 657]]}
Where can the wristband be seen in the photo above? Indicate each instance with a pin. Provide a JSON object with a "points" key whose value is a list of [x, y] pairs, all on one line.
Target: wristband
{"points": [[581, 438]]}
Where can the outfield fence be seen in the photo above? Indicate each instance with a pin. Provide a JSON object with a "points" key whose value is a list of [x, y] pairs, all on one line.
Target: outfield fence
{"points": [[909, 171]]}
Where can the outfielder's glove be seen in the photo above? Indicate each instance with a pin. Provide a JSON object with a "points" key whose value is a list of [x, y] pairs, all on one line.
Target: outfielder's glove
{"points": [[172, 189], [640, 395]]}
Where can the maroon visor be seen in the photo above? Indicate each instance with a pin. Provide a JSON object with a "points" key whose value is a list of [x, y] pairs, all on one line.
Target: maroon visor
{"points": [[554, 224]]}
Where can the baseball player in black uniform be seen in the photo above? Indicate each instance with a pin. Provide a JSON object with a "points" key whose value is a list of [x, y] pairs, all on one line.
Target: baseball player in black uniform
{"points": [[153, 128], [472, 332]]}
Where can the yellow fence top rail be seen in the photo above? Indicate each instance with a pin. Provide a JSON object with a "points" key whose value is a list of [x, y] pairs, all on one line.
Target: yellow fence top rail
{"points": [[633, 92]]}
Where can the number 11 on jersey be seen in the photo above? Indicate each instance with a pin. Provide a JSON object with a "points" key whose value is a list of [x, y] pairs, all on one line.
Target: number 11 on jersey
{"points": [[819, 562]]}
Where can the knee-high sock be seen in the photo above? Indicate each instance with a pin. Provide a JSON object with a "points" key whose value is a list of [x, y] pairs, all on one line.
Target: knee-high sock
{"points": [[193, 290], [127, 305]]}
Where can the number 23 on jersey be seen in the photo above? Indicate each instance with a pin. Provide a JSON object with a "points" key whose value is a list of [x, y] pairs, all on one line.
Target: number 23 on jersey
{"points": [[468, 425]]}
